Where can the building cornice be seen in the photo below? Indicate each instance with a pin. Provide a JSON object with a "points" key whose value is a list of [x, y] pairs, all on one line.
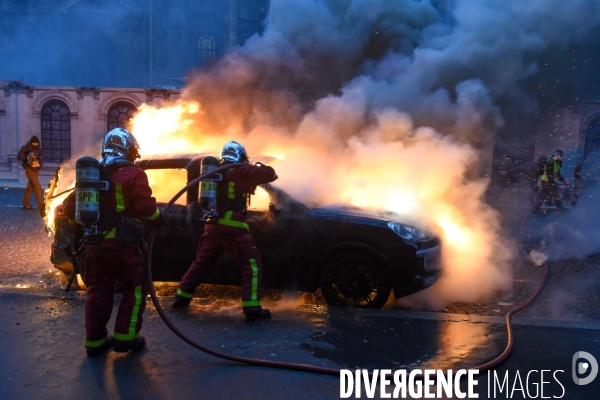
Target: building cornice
{"points": [[92, 91], [18, 87]]}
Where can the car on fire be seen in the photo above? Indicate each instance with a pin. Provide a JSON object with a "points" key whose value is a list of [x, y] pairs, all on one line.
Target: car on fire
{"points": [[355, 257]]}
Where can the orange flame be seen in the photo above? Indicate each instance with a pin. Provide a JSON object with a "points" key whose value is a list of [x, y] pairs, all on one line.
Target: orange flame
{"points": [[170, 129], [53, 203], [331, 157], [384, 165]]}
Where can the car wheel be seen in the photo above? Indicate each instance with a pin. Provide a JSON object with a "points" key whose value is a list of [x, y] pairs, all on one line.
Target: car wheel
{"points": [[356, 280]]}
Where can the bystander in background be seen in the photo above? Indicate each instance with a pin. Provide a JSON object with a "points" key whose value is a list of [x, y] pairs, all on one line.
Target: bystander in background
{"points": [[32, 159], [549, 178]]}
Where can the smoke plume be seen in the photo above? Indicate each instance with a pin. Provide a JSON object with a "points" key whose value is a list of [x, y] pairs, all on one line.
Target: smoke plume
{"points": [[391, 105]]}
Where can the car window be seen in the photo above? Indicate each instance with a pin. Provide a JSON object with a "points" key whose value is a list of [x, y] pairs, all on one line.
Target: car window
{"points": [[165, 184], [259, 201]]}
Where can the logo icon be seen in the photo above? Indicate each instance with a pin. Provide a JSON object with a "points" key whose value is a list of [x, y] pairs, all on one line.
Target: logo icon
{"points": [[583, 367]]}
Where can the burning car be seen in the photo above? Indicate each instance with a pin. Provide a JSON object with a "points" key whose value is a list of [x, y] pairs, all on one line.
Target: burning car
{"points": [[355, 258]]}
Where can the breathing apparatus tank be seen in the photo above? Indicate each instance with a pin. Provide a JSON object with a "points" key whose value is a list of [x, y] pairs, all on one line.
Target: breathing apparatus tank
{"points": [[87, 196], [208, 188]]}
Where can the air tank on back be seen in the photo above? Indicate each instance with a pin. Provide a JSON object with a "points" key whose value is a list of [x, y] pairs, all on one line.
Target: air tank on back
{"points": [[208, 187], [87, 196]]}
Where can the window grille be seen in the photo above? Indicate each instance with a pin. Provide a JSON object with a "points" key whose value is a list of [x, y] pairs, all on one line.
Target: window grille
{"points": [[56, 132]]}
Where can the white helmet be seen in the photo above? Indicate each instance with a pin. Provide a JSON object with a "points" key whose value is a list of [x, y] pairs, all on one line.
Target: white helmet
{"points": [[118, 144], [233, 152]]}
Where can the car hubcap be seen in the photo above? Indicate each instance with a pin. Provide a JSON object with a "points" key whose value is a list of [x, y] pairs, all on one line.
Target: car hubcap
{"points": [[354, 285]]}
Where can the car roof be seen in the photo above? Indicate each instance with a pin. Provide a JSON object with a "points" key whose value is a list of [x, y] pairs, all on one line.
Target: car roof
{"points": [[168, 161]]}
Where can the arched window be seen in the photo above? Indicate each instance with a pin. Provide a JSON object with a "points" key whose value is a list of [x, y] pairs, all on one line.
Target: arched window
{"points": [[119, 115], [207, 49], [56, 131]]}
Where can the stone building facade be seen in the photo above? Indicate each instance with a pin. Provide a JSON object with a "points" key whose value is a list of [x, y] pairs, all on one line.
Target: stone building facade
{"points": [[69, 121]]}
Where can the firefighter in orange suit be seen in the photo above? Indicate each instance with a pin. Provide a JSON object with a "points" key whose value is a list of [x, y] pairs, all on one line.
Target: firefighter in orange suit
{"points": [[229, 231], [107, 260]]}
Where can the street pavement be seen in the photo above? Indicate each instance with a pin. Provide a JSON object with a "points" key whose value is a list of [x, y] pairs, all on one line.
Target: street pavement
{"points": [[42, 356], [41, 351], [24, 244]]}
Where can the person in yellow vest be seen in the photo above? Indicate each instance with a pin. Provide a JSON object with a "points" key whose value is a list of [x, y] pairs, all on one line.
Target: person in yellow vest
{"points": [[550, 175]]}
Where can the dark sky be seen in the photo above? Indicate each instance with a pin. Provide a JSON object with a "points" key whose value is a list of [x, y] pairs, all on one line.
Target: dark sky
{"points": [[508, 62], [489, 69]]}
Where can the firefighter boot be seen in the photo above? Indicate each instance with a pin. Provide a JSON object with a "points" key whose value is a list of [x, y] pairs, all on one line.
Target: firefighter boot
{"points": [[254, 313], [96, 351], [180, 302], [122, 346]]}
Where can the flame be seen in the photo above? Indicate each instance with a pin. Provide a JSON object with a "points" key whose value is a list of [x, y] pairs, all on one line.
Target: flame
{"points": [[170, 129], [52, 212], [173, 129], [55, 202], [259, 201], [416, 173], [385, 165], [456, 234], [166, 183]]}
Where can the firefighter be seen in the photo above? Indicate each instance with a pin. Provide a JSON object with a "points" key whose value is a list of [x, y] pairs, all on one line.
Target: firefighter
{"points": [[550, 174], [108, 259], [32, 159], [228, 231]]}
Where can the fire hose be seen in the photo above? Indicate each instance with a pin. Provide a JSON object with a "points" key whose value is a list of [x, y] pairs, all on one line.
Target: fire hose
{"points": [[294, 366]]}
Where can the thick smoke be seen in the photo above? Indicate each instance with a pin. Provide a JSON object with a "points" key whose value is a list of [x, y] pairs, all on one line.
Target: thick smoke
{"points": [[403, 104], [574, 234]]}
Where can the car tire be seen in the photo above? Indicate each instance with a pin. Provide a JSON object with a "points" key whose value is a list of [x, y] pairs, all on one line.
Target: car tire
{"points": [[356, 279]]}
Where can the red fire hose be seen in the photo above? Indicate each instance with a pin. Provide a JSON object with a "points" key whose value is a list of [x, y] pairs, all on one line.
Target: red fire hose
{"points": [[294, 366]]}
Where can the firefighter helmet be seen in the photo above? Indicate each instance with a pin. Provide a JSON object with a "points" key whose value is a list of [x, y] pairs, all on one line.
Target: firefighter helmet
{"points": [[233, 152], [119, 143]]}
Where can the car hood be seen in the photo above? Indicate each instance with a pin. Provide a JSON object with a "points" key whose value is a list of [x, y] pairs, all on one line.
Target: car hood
{"points": [[352, 211]]}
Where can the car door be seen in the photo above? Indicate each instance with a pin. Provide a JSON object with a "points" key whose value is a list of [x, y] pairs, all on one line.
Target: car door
{"points": [[175, 244], [282, 235], [268, 235]]}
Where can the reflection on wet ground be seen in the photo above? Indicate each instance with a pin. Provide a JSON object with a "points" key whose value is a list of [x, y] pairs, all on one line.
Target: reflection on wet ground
{"points": [[403, 343], [464, 343], [349, 338], [46, 335], [48, 280]]}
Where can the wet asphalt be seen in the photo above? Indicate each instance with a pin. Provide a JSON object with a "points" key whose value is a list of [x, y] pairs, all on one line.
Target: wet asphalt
{"points": [[42, 355]]}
